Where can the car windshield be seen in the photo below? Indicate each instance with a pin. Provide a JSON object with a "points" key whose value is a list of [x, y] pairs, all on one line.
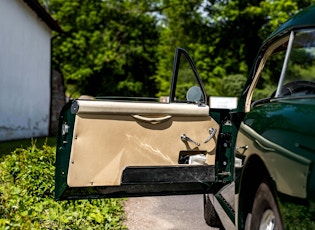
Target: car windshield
{"points": [[298, 72]]}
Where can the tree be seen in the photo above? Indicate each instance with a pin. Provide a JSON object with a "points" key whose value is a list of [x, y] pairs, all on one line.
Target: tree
{"points": [[182, 25], [240, 27], [107, 48], [126, 47]]}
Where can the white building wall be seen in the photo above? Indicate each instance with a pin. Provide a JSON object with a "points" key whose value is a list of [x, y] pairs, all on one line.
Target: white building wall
{"points": [[24, 72]]}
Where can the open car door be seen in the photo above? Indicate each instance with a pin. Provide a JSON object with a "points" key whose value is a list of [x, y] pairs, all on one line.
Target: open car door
{"points": [[116, 148]]}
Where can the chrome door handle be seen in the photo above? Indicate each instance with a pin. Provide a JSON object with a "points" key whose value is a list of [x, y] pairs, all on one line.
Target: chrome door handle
{"points": [[187, 139], [212, 132]]}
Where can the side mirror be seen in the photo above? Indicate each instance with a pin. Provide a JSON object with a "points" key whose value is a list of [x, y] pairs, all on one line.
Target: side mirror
{"points": [[194, 94]]}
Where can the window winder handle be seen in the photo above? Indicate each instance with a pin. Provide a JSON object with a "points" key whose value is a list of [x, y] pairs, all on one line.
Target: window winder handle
{"points": [[187, 139]]}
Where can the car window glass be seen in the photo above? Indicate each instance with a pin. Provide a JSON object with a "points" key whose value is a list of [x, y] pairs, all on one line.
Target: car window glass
{"points": [[187, 87], [269, 77], [299, 78]]}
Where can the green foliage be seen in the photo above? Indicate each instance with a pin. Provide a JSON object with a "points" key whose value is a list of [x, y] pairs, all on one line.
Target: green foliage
{"points": [[26, 202], [232, 85], [6, 147], [182, 26], [127, 47], [107, 47], [222, 36], [298, 217]]}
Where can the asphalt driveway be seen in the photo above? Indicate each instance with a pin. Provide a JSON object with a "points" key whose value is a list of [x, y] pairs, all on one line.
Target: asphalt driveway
{"points": [[165, 212]]}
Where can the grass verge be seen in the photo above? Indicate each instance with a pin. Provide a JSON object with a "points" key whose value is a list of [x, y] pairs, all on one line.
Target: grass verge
{"points": [[6, 147], [27, 193]]}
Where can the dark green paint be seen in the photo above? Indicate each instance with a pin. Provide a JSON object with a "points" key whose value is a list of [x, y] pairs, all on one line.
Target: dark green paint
{"points": [[63, 150], [289, 123], [286, 122]]}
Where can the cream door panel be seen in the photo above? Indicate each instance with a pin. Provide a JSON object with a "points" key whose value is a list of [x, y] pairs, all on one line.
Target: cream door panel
{"points": [[110, 136]]}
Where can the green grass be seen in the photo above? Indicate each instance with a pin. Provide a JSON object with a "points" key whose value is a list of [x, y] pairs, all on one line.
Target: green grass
{"points": [[6, 147], [27, 169]]}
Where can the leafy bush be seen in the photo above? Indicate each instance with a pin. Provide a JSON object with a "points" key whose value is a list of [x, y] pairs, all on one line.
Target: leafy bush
{"points": [[27, 199]]}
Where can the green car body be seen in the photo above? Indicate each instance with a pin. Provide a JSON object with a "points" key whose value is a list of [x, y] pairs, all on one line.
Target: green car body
{"points": [[257, 160], [279, 135]]}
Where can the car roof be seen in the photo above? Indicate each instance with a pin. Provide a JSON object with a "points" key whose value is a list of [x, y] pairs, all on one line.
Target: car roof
{"points": [[303, 19]]}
